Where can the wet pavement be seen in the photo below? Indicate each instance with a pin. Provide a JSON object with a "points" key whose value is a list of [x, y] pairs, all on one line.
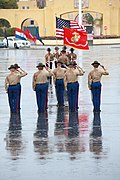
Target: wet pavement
{"points": [[59, 144]]}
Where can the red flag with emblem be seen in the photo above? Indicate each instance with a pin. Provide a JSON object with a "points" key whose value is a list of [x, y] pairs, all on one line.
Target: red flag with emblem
{"points": [[29, 35], [76, 38]]}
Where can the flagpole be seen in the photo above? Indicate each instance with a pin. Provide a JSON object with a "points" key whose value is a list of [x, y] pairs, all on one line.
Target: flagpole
{"points": [[80, 51], [80, 23], [80, 12]]}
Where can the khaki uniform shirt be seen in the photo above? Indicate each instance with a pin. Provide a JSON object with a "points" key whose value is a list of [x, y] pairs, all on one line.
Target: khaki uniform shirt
{"points": [[56, 55], [72, 56], [49, 57], [95, 76], [40, 77], [59, 73], [64, 59], [72, 74], [14, 78]]}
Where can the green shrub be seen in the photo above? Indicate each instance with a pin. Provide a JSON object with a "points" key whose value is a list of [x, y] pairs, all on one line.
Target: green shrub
{"points": [[10, 32]]}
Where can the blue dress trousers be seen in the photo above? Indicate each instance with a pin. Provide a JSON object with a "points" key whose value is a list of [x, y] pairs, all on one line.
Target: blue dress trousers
{"points": [[60, 91], [41, 96], [96, 95]]}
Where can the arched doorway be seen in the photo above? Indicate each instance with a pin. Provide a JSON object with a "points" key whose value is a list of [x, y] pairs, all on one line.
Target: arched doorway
{"points": [[5, 27], [4, 23], [31, 24], [93, 21]]}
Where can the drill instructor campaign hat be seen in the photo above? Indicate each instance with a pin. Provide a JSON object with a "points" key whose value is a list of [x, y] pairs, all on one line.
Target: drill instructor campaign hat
{"points": [[16, 66], [56, 48], [95, 62], [40, 65], [12, 67], [48, 49]]}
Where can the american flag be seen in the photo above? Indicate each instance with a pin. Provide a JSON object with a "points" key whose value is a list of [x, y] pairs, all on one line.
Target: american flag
{"points": [[61, 23]]}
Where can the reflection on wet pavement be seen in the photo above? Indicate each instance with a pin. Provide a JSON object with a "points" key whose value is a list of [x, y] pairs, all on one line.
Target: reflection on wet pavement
{"points": [[96, 136], [59, 144], [41, 136], [14, 137]]}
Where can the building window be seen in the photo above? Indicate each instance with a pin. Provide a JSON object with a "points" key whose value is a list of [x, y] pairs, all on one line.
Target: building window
{"points": [[32, 22], [76, 3], [85, 3], [41, 4], [70, 16]]}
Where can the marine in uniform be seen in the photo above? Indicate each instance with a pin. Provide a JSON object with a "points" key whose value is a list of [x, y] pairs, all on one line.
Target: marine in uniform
{"points": [[94, 84], [72, 56], [18, 70], [56, 55], [64, 48], [63, 58], [76, 66], [58, 74], [40, 86], [49, 58], [12, 88], [71, 82]]}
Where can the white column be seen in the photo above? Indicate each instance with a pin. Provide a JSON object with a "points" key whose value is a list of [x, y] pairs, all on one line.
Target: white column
{"points": [[80, 12]]}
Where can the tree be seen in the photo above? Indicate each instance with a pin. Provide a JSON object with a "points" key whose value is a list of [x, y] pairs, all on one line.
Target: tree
{"points": [[88, 18], [8, 4], [4, 23]]}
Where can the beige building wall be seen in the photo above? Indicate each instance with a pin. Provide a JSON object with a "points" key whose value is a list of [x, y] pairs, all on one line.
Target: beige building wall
{"points": [[45, 18], [30, 4]]}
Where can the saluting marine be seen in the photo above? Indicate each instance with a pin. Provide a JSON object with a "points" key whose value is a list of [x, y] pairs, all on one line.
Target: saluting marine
{"points": [[40, 86], [94, 84], [49, 58], [12, 88], [19, 70], [71, 82], [76, 66], [58, 74]]}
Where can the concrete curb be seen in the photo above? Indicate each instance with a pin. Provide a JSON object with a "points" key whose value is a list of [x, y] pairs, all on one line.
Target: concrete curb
{"points": [[94, 42]]}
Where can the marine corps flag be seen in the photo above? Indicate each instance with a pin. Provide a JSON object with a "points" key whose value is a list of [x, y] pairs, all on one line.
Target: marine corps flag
{"points": [[75, 38], [29, 35]]}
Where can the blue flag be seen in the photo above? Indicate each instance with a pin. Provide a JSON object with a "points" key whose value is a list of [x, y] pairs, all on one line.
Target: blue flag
{"points": [[38, 37]]}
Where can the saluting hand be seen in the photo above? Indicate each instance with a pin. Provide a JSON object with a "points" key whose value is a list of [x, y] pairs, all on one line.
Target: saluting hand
{"points": [[102, 66]]}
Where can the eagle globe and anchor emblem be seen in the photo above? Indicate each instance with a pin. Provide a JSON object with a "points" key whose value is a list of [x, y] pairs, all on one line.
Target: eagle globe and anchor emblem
{"points": [[76, 37]]}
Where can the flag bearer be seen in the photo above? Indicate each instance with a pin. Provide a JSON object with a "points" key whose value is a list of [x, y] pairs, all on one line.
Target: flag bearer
{"points": [[94, 84], [58, 74], [63, 58], [56, 55], [40, 86], [49, 58], [12, 88], [72, 56], [71, 81]]}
